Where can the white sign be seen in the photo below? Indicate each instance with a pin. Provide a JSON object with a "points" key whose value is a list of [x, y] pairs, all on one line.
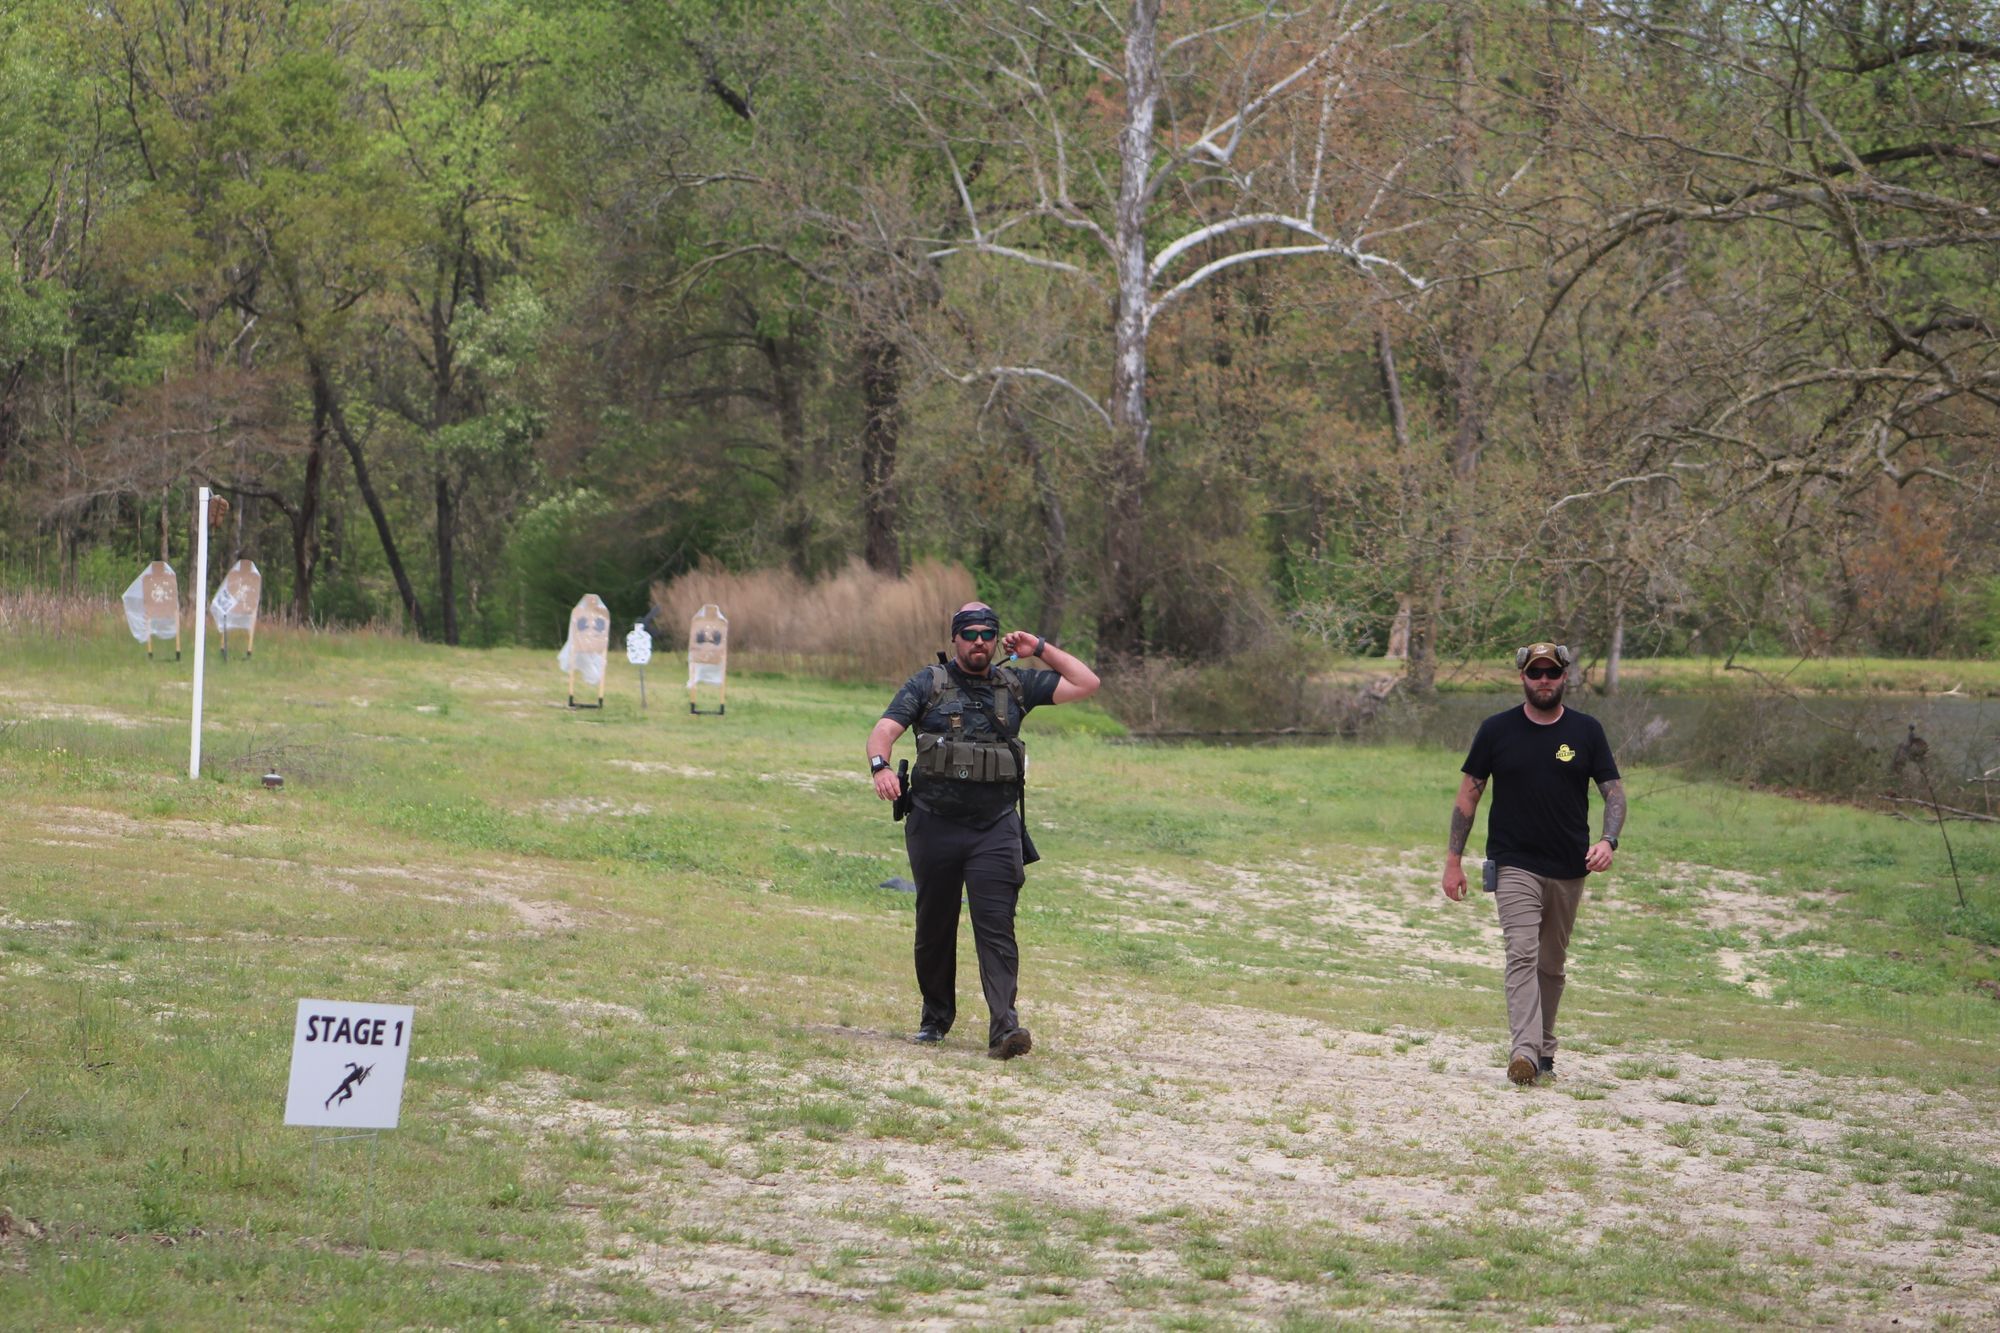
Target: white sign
{"points": [[347, 1064], [638, 646]]}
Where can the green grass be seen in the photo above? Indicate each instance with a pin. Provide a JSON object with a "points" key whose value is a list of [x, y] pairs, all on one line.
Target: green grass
{"points": [[658, 992]]}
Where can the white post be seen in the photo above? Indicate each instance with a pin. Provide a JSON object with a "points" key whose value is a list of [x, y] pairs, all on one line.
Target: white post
{"points": [[200, 623]]}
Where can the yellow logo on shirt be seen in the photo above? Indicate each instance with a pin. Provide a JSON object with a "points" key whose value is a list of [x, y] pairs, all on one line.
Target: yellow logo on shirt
{"points": [[1564, 753]]}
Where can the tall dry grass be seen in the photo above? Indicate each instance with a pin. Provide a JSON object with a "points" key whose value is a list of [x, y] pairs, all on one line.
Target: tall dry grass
{"points": [[50, 614], [857, 625], [34, 613]]}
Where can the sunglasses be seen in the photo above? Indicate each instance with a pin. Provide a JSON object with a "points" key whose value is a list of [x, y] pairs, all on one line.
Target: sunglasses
{"points": [[979, 635], [1543, 673]]}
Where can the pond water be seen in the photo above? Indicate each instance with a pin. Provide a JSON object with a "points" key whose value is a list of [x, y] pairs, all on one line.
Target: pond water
{"points": [[1963, 733], [1838, 745]]}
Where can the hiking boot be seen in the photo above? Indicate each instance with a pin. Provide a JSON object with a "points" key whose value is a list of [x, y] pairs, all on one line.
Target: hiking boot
{"points": [[928, 1035], [1017, 1042], [1521, 1069], [1548, 1066]]}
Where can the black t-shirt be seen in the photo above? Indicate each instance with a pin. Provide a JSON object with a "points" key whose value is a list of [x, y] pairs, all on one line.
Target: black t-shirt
{"points": [[1541, 788], [979, 804]]}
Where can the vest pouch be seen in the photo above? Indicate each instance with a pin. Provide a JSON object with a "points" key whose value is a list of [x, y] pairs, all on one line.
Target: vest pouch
{"points": [[931, 754], [939, 756], [1004, 768]]}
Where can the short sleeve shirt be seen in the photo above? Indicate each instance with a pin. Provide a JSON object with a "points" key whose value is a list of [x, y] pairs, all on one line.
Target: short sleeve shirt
{"points": [[979, 804], [1541, 776]]}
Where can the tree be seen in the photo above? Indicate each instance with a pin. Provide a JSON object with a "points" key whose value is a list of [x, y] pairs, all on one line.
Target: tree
{"points": [[1142, 166], [1833, 172], [457, 90]]}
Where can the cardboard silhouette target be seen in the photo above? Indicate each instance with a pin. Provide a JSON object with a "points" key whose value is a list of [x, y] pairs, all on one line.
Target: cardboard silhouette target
{"points": [[153, 607], [708, 656], [234, 606], [588, 645]]}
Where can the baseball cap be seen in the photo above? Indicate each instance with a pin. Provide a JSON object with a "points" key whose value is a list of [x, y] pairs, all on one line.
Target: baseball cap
{"points": [[1535, 652]]}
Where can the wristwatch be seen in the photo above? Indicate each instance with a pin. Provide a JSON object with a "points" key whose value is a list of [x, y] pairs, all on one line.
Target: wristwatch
{"points": [[876, 763], [1610, 842]]}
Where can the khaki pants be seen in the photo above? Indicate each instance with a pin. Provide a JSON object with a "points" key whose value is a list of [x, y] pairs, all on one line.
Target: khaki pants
{"points": [[1535, 915]]}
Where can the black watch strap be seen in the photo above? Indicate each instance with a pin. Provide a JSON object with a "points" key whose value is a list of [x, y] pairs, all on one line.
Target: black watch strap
{"points": [[1611, 842], [876, 763]]}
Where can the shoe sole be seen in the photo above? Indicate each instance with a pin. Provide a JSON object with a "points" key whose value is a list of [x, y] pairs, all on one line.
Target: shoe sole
{"points": [[1522, 1070], [1017, 1042]]}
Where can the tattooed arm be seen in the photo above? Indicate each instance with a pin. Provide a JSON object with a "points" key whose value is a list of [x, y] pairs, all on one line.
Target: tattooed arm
{"points": [[1600, 853], [1470, 789]]}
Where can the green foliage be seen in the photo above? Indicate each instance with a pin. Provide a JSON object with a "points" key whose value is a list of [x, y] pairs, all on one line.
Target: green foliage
{"points": [[553, 559], [647, 252]]}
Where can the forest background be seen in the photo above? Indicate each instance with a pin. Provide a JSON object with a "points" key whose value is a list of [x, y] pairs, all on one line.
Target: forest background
{"points": [[1193, 330]]}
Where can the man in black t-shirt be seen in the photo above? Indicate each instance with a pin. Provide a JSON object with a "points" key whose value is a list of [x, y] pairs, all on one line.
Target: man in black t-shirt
{"points": [[1544, 757], [964, 827]]}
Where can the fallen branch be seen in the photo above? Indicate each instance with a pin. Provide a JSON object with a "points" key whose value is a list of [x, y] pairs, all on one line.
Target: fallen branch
{"points": [[1951, 810], [1225, 733]]}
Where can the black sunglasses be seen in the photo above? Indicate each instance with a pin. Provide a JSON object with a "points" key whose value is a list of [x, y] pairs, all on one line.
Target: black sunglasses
{"points": [[1543, 673], [979, 635]]}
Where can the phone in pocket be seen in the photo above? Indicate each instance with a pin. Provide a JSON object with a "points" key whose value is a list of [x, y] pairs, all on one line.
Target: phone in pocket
{"points": [[1489, 875]]}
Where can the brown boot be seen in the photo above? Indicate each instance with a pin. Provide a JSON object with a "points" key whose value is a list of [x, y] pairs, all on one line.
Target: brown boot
{"points": [[1017, 1042]]}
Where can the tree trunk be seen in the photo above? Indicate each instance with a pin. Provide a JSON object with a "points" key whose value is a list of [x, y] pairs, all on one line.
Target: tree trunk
{"points": [[1614, 657], [1469, 427], [1468, 423], [881, 392], [305, 519], [236, 528], [1121, 623], [1416, 604], [447, 540], [322, 386], [787, 399], [10, 382], [1055, 529]]}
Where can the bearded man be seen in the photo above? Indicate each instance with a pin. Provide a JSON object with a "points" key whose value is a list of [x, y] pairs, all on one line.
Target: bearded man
{"points": [[965, 832], [1542, 758]]}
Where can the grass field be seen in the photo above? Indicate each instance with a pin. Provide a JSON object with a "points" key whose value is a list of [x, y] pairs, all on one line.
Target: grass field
{"points": [[658, 1074]]}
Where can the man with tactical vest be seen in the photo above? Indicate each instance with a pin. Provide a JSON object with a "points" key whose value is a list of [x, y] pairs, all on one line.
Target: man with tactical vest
{"points": [[964, 829]]}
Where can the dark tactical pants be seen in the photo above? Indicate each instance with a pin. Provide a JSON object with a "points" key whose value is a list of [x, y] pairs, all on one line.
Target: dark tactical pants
{"points": [[945, 856]]}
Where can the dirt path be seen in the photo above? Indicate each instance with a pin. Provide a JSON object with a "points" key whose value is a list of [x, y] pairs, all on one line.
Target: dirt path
{"points": [[1228, 1124]]}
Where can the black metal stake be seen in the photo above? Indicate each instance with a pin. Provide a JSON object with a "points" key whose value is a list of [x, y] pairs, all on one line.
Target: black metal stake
{"points": [[1938, 814]]}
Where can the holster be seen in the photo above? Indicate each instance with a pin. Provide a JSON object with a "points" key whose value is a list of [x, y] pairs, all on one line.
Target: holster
{"points": [[1028, 853], [901, 805]]}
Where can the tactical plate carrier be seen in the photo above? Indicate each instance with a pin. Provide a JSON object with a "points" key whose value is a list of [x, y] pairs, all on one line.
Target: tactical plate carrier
{"points": [[975, 746]]}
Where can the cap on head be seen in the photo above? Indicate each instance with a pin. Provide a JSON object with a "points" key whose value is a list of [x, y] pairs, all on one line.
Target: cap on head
{"points": [[973, 614], [1556, 653]]}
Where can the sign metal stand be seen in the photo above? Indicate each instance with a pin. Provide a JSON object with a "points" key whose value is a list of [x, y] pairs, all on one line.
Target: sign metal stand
{"points": [[348, 1063], [374, 1137]]}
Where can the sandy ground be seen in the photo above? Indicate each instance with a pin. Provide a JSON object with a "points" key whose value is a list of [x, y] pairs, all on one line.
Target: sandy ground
{"points": [[1236, 1115], [1156, 1107], [1158, 1113]]}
